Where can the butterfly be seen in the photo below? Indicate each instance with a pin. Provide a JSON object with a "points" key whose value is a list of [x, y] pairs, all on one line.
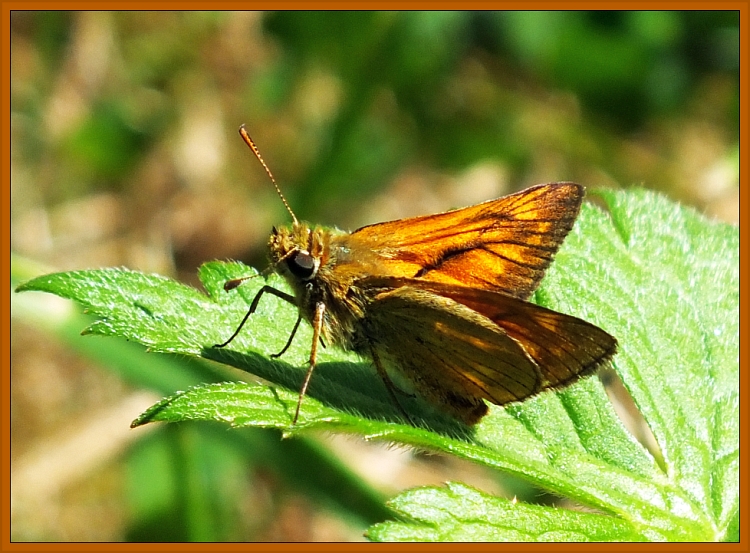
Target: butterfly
{"points": [[442, 299]]}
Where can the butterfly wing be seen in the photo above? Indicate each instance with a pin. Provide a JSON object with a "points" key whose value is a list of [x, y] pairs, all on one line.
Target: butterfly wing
{"points": [[564, 347], [453, 356], [503, 245], [465, 344]]}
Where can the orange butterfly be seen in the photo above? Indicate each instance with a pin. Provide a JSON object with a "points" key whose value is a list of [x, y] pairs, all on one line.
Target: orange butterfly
{"points": [[442, 298]]}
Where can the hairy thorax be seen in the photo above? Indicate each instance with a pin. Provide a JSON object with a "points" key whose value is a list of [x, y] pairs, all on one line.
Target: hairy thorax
{"points": [[323, 265]]}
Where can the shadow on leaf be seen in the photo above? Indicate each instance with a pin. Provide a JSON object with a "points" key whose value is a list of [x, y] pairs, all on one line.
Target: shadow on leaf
{"points": [[349, 387]]}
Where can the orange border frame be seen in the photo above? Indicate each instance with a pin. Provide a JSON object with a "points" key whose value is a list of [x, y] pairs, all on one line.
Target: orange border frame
{"points": [[7, 7]]}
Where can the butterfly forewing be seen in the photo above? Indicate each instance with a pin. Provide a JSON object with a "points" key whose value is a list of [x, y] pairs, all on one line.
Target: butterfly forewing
{"points": [[503, 245]]}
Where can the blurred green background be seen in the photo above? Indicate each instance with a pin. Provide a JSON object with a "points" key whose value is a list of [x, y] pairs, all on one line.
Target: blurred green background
{"points": [[125, 152]]}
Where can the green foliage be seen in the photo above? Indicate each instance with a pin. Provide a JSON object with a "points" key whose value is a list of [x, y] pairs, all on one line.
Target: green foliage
{"points": [[659, 277], [460, 513], [160, 468]]}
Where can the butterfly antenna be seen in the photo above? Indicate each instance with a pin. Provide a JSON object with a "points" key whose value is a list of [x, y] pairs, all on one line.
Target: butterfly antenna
{"points": [[254, 148]]}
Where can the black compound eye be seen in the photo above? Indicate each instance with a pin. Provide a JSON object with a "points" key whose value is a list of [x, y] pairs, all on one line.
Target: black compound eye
{"points": [[302, 265]]}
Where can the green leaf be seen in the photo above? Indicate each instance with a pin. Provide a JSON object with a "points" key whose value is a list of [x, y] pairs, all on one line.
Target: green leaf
{"points": [[659, 277], [328, 482], [460, 513]]}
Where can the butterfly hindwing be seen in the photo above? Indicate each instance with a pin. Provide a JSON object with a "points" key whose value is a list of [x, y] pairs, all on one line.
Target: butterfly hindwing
{"points": [[451, 354], [489, 344]]}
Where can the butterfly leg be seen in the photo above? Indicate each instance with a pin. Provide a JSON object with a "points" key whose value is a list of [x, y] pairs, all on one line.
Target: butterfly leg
{"points": [[291, 337], [389, 385], [254, 305], [317, 323]]}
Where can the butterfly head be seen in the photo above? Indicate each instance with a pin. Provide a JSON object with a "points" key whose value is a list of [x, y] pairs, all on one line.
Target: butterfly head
{"points": [[290, 255]]}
